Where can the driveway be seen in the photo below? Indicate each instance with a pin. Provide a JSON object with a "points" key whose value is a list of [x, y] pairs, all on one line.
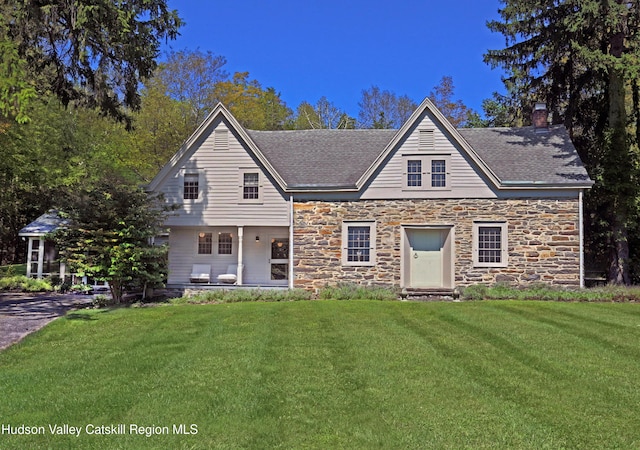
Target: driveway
{"points": [[21, 314]]}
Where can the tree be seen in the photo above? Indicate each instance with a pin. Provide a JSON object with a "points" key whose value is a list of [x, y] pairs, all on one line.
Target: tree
{"points": [[383, 109], [583, 60], [190, 78], [255, 108], [454, 110], [92, 52], [109, 236], [323, 115]]}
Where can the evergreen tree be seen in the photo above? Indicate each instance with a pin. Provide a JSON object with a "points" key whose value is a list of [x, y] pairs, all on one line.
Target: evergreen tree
{"points": [[582, 58]]}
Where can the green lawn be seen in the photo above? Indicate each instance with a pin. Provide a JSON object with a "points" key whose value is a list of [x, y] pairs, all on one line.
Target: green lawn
{"points": [[327, 374]]}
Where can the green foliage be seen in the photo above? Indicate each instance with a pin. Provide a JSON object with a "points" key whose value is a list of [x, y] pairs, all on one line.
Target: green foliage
{"points": [[610, 293], [102, 301], [349, 291], [254, 107], [90, 52], [583, 60], [109, 236], [13, 269], [24, 284], [246, 295]]}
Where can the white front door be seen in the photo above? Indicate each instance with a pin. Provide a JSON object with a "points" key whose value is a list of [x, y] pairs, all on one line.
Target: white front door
{"points": [[425, 258]]}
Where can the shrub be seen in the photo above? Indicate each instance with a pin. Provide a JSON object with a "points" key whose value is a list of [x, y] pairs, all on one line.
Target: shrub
{"points": [[349, 291], [102, 301], [22, 283], [246, 295], [552, 293]]}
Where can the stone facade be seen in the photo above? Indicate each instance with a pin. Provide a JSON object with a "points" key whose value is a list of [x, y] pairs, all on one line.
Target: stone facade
{"points": [[543, 239]]}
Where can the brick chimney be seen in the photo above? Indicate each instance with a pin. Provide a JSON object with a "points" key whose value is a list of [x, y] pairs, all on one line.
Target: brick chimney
{"points": [[540, 118]]}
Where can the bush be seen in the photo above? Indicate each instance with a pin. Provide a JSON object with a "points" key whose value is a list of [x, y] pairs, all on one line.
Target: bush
{"points": [[24, 284], [552, 293], [246, 295], [349, 291], [102, 301]]}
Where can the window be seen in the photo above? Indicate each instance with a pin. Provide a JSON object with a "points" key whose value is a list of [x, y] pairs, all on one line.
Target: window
{"points": [[438, 173], [191, 187], [427, 172], [250, 186], [225, 243], [414, 173], [490, 244], [358, 243], [205, 243]]}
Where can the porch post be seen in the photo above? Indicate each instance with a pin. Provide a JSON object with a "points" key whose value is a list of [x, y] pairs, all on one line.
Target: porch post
{"points": [[290, 276], [29, 250], [40, 257], [240, 250]]}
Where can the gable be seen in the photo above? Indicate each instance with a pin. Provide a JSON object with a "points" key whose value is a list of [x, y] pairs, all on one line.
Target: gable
{"points": [[214, 163], [427, 143]]}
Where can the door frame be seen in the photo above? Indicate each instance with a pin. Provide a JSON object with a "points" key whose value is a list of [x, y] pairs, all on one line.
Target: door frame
{"points": [[448, 253], [287, 261]]}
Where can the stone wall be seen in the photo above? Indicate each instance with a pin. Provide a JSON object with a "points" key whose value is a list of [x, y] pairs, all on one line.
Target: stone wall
{"points": [[543, 239]]}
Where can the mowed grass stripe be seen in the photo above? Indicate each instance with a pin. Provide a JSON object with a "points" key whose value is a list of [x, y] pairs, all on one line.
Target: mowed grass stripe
{"points": [[335, 375]]}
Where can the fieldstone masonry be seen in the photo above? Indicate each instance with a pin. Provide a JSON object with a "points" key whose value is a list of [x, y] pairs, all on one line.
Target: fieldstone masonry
{"points": [[543, 239]]}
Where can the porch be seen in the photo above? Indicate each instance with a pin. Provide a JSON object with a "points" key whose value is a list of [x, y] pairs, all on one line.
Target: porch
{"points": [[224, 257]]}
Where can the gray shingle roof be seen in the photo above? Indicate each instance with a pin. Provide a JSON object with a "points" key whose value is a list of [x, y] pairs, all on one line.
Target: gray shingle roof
{"points": [[522, 155], [321, 158], [338, 158], [46, 223]]}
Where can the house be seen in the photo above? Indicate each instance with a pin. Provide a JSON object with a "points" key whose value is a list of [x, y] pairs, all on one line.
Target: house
{"points": [[427, 206], [42, 256]]}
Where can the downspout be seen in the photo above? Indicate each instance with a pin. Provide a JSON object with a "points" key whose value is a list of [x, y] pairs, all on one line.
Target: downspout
{"points": [[291, 241], [581, 231]]}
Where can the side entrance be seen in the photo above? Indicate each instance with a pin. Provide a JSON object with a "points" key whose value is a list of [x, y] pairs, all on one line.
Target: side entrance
{"points": [[427, 257]]}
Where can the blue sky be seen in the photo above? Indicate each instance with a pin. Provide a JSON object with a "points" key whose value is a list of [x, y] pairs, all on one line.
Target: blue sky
{"points": [[309, 49]]}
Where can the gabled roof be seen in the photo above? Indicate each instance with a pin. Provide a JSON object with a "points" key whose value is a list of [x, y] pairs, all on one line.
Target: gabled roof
{"points": [[46, 223], [327, 160]]}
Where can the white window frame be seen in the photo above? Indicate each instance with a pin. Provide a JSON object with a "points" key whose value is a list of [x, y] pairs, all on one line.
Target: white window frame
{"points": [[241, 198], [426, 165], [504, 244], [201, 190], [372, 243]]}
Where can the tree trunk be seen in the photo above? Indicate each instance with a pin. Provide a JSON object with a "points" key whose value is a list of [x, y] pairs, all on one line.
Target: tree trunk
{"points": [[618, 166]]}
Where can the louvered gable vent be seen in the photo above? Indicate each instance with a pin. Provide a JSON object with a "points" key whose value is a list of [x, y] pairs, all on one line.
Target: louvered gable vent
{"points": [[426, 140], [221, 140]]}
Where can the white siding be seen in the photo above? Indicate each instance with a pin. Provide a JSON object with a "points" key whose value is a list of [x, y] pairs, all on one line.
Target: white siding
{"points": [[464, 177], [219, 165], [183, 253]]}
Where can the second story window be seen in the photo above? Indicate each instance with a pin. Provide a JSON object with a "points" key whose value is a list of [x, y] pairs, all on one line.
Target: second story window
{"points": [[414, 173], [438, 173], [191, 187], [251, 186]]}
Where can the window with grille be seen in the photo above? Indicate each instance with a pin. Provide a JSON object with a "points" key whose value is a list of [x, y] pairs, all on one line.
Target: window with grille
{"points": [[358, 243], [438, 173], [490, 244], [414, 173], [205, 243], [191, 187], [225, 243], [251, 186]]}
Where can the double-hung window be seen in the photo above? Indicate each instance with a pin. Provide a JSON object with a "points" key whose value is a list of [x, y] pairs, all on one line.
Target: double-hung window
{"points": [[490, 244], [358, 243], [250, 185], [191, 186], [225, 243], [205, 243]]}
